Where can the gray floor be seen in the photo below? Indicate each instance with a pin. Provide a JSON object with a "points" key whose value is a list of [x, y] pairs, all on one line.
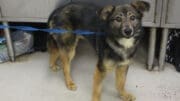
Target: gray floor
{"points": [[30, 79]]}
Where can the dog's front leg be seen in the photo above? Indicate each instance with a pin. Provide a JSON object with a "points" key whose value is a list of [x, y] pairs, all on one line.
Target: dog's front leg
{"points": [[121, 73], [97, 85]]}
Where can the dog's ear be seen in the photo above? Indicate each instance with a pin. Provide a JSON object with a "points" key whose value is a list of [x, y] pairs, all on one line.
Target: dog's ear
{"points": [[105, 12], [141, 6]]}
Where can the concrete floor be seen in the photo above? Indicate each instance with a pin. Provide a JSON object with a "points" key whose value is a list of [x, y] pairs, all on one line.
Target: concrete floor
{"points": [[30, 79]]}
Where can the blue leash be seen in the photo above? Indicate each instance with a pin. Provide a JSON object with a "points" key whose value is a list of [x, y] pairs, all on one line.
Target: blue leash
{"points": [[54, 31]]}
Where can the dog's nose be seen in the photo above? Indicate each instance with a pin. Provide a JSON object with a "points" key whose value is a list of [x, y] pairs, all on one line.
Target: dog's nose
{"points": [[128, 31]]}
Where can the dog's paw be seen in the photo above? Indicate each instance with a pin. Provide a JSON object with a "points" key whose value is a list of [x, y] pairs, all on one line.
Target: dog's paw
{"points": [[128, 97], [71, 86], [55, 68], [95, 99]]}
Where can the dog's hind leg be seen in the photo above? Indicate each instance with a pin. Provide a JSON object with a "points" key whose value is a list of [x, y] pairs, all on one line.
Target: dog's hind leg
{"points": [[66, 54], [53, 52], [53, 59], [121, 73], [65, 58]]}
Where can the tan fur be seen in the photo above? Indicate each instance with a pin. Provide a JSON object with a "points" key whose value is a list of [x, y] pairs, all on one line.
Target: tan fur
{"points": [[54, 55], [65, 58], [121, 73], [65, 55], [109, 65], [53, 52], [97, 85]]}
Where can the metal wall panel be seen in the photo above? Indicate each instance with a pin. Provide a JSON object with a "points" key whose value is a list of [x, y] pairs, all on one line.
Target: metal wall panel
{"points": [[28, 10], [105, 2], [171, 14], [152, 18], [0, 13]]}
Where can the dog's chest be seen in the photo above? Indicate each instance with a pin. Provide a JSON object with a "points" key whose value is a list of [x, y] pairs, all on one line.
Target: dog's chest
{"points": [[123, 48], [126, 43]]}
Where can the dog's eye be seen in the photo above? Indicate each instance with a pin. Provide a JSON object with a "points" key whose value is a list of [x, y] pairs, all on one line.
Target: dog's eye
{"points": [[118, 19], [132, 18]]}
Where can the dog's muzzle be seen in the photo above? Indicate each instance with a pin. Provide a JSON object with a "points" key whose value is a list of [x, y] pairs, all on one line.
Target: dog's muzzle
{"points": [[128, 32]]}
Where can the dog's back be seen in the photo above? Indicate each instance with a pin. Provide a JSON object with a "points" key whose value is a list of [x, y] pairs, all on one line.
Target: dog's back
{"points": [[76, 16]]}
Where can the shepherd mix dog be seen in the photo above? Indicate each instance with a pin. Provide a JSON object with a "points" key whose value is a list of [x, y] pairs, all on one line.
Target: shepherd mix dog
{"points": [[122, 28]]}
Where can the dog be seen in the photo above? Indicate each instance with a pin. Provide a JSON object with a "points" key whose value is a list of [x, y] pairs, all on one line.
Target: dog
{"points": [[122, 28]]}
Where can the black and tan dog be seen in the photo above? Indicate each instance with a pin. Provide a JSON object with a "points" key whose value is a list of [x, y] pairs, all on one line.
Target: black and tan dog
{"points": [[122, 27]]}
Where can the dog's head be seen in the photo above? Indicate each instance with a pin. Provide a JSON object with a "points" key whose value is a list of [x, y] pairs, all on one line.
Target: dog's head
{"points": [[124, 20]]}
